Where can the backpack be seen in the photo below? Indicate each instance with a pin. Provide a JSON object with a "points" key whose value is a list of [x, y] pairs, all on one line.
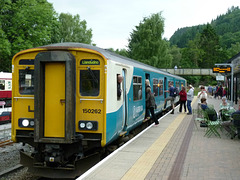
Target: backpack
{"points": [[151, 101], [175, 92], [212, 114]]}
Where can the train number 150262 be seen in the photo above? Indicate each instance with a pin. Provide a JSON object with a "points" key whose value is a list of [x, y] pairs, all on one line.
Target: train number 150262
{"points": [[92, 111]]}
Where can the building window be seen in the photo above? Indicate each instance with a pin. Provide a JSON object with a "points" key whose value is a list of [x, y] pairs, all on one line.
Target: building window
{"points": [[137, 88], [89, 82]]}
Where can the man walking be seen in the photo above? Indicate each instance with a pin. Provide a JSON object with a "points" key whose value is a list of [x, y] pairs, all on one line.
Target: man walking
{"points": [[190, 95]]}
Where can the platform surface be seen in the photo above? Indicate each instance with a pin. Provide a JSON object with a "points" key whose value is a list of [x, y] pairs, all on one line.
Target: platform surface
{"points": [[175, 149]]}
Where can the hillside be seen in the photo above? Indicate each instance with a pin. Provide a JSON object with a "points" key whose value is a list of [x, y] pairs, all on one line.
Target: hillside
{"points": [[227, 27]]}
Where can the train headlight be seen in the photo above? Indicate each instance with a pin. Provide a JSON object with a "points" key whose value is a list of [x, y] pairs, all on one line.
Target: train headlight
{"points": [[82, 125], [26, 123], [32, 123], [88, 125]]}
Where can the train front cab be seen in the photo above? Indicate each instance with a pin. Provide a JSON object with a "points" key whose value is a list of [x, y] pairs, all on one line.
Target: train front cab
{"points": [[56, 111]]}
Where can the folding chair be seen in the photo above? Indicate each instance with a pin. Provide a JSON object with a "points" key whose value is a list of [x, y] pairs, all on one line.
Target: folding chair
{"points": [[223, 116], [213, 123], [225, 119], [200, 116], [236, 123]]}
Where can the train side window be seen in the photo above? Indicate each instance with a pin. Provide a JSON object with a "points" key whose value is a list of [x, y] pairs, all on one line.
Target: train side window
{"points": [[178, 85], [26, 82], [155, 87], [137, 88], [2, 84], [160, 85], [89, 82], [26, 62], [119, 86]]}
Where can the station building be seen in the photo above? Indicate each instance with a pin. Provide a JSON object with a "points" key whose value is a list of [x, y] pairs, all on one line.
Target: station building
{"points": [[235, 61]]}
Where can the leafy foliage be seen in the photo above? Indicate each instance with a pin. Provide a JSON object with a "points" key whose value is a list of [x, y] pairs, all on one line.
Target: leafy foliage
{"points": [[31, 23], [146, 43], [72, 29], [203, 46], [227, 27]]}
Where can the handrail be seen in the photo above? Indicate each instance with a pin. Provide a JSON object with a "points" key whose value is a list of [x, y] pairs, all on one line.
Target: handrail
{"points": [[23, 97], [91, 100]]}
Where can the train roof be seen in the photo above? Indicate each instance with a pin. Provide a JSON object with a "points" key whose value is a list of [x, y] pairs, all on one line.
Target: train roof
{"points": [[109, 55], [5, 75]]}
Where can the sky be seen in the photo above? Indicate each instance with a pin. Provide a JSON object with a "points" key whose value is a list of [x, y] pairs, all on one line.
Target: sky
{"points": [[112, 21]]}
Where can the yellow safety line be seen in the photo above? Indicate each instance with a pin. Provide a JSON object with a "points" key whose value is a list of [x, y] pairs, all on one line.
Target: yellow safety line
{"points": [[144, 164]]}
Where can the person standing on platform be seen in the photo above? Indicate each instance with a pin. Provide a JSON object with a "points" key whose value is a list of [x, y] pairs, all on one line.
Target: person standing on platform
{"points": [[202, 94], [190, 95], [150, 102], [210, 90], [147, 86], [183, 99], [220, 92], [224, 91], [170, 97], [215, 91]]}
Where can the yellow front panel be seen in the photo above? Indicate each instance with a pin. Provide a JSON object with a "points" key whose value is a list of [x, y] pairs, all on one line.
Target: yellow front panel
{"points": [[54, 121], [21, 103], [91, 107]]}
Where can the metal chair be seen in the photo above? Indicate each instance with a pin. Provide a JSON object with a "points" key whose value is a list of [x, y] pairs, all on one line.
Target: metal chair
{"points": [[226, 122], [213, 123], [236, 123], [199, 116]]}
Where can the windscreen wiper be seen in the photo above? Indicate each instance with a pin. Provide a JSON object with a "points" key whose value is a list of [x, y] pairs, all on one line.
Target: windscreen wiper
{"points": [[92, 74]]}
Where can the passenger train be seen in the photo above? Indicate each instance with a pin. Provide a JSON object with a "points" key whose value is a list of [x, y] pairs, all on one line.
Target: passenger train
{"points": [[5, 97], [65, 104]]}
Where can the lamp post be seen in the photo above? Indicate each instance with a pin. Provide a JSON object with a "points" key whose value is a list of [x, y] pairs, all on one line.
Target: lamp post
{"points": [[232, 67]]}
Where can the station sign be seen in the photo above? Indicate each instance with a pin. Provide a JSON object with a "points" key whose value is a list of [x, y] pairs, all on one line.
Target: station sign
{"points": [[220, 78], [89, 62], [222, 70]]}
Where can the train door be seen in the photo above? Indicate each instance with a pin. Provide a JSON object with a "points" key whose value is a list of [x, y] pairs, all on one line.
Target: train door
{"points": [[54, 106], [147, 76], [165, 87], [125, 105], [54, 96]]}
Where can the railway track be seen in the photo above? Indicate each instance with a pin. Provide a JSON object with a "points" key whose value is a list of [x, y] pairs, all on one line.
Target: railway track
{"points": [[10, 170], [5, 143], [5, 137]]}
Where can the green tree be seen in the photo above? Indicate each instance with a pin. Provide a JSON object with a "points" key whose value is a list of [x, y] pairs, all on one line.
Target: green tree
{"points": [[176, 55], [146, 43], [122, 52], [25, 24], [209, 44], [5, 51], [72, 29], [191, 55], [235, 49]]}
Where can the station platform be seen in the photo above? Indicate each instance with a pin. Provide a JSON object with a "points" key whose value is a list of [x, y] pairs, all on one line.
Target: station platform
{"points": [[175, 149]]}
